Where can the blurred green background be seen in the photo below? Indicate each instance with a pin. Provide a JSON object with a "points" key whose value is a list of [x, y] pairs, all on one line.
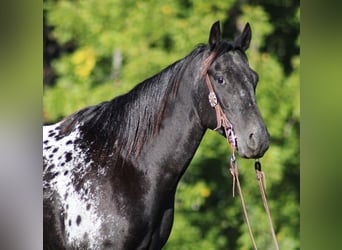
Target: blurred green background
{"points": [[95, 50]]}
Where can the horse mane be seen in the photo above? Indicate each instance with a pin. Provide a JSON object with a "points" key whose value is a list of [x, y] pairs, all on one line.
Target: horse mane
{"points": [[123, 125]]}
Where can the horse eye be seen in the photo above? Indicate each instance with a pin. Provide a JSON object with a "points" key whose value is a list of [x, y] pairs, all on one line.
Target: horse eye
{"points": [[220, 80]]}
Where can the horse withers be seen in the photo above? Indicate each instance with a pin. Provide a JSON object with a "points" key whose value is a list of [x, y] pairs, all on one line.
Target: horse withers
{"points": [[111, 170]]}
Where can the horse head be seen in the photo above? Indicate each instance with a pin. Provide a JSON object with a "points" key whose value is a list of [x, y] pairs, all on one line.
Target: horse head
{"points": [[234, 82]]}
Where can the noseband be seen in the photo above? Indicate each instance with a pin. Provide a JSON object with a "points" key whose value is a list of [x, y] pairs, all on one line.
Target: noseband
{"points": [[222, 121]]}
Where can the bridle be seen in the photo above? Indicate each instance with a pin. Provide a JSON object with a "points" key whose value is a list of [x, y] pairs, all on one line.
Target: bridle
{"points": [[222, 121]]}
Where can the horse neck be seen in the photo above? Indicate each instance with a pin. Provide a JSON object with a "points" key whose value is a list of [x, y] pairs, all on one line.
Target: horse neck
{"points": [[180, 134]]}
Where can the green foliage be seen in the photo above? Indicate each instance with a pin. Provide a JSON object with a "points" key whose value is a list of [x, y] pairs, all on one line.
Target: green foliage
{"points": [[150, 35]]}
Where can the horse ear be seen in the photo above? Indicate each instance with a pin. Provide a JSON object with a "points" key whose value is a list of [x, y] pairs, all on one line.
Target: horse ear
{"points": [[244, 39], [215, 34]]}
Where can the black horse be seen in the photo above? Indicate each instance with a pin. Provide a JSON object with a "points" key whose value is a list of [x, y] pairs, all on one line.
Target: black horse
{"points": [[111, 171]]}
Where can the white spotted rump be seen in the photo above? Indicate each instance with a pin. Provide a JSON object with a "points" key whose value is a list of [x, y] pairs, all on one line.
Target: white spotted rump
{"points": [[64, 168]]}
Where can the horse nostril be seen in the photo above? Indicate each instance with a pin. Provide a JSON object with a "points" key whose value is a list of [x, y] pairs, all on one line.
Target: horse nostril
{"points": [[251, 136], [251, 141], [256, 143]]}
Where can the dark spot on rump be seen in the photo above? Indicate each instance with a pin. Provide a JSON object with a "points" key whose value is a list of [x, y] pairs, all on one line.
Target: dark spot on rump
{"points": [[108, 243], [50, 156], [66, 196], [87, 159], [66, 172], [88, 206], [52, 134], [78, 220], [47, 148], [60, 157], [45, 164], [55, 150], [68, 142], [50, 175], [50, 167], [62, 164], [68, 157], [69, 222], [46, 141], [58, 137]]}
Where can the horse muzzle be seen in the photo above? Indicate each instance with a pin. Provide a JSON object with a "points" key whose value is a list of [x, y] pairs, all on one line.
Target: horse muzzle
{"points": [[254, 144]]}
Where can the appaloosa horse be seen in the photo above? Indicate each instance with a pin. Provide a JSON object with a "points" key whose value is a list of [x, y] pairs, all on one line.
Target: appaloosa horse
{"points": [[111, 170]]}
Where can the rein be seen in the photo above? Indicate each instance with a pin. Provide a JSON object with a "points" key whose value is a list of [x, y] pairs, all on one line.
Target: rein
{"points": [[222, 121]]}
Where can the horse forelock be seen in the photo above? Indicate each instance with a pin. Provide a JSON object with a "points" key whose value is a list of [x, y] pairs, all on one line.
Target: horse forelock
{"points": [[220, 48]]}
